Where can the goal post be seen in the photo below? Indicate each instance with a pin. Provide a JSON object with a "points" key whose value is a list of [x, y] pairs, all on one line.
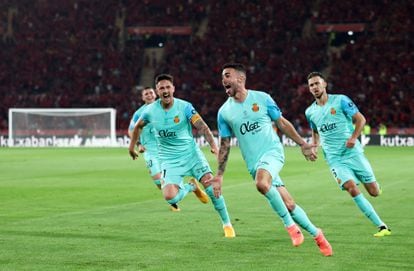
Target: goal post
{"points": [[62, 127]]}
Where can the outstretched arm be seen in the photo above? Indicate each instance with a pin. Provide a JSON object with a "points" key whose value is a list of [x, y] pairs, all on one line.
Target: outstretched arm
{"points": [[288, 129], [223, 156], [134, 138], [203, 129]]}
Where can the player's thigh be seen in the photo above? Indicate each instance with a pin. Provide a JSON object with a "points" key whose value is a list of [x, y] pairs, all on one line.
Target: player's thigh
{"points": [[273, 164], [362, 169], [172, 175], [342, 173], [152, 163], [200, 168]]}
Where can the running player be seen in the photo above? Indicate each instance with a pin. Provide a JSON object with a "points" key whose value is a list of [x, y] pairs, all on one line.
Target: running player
{"points": [[331, 119]]}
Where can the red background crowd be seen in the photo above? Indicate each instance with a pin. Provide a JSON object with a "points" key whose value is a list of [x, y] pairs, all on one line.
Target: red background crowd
{"points": [[77, 53]]}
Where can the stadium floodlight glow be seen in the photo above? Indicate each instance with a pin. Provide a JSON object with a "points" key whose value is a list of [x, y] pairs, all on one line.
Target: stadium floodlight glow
{"points": [[62, 127], [350, 33]]}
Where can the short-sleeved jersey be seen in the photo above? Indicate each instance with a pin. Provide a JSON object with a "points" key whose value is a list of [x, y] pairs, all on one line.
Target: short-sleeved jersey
{"points": [[333, 122], [251, 122], [147, 137], [173, 130]]}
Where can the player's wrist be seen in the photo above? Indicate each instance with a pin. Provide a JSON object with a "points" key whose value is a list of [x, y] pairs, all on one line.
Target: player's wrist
{"points": [[301, 144]]}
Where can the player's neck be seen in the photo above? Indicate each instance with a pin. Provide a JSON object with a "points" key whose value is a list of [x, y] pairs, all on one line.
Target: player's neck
{"points": [[241, 95], [322, 100], [167, 106]]}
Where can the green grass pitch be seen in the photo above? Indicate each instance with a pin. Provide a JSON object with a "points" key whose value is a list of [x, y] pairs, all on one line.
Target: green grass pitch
{"points": [[96, 209]]}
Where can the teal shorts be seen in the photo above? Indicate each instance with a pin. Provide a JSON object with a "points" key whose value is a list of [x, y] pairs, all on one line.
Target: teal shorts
{"points": [[356, 168], [152, 162], [272, 163], [195, 165]]}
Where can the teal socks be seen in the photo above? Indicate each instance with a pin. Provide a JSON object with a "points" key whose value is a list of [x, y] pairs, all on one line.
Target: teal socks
{"points": [[300, 217], [277, 204], [219, 205], [366, 208], [157, 182]]}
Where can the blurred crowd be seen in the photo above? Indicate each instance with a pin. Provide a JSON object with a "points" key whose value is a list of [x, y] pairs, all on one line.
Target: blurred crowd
{"points": [[77, 53]]}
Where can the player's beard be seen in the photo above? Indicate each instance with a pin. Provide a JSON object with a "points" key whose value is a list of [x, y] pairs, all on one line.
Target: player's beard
{"points": [[318, 95]]}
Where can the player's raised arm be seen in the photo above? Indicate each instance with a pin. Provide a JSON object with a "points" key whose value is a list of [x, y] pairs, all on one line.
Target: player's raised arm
{"points": [[136, 132]]}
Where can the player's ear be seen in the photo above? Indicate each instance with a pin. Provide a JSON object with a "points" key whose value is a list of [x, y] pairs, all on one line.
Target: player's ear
{"points": [[241, 78]]}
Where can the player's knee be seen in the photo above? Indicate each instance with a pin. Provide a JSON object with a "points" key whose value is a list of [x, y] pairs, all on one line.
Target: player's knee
{"points": [[262, 187], [373, 189], [170, 194], [352, 188], [374, 192]]}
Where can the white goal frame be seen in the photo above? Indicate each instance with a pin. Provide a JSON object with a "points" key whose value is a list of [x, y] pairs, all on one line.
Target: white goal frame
{"points": [[57, 111]]}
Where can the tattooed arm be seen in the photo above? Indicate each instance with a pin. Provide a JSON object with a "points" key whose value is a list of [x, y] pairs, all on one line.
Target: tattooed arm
{"points": [[223, 156], [203, 129]]}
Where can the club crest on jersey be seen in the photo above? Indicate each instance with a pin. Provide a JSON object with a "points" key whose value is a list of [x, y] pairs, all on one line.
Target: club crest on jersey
{"points": [[255, 107], [176, 119], [333, 111]]}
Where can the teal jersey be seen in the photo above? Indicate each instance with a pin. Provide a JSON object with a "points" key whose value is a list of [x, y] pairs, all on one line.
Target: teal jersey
{"points": [[173, 130], [333, 122], [147, 137], [251, 123]]}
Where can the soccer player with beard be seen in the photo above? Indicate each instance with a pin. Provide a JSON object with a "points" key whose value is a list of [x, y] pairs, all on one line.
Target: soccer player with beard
{"points": [[172, 120], [147, 143], [331, 119], [249, 114]]}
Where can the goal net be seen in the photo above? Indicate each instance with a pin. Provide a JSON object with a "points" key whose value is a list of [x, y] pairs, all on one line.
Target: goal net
{"points": [[62, 127]]}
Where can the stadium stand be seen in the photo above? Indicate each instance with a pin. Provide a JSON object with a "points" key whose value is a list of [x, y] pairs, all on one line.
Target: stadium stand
{"points": [[76, 53]]}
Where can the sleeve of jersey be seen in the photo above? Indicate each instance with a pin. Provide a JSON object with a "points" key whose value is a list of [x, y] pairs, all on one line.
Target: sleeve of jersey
{"points": [[144, 116], [134, 120], [191, 114], [223, 129], [348, 106], [272, 109]]}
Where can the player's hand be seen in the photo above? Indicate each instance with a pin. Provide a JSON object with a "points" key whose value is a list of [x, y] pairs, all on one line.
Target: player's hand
{"points": [[141, 148], [216, 184], [132, 152], [350, 143], [315, 151], [309, 151]]}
